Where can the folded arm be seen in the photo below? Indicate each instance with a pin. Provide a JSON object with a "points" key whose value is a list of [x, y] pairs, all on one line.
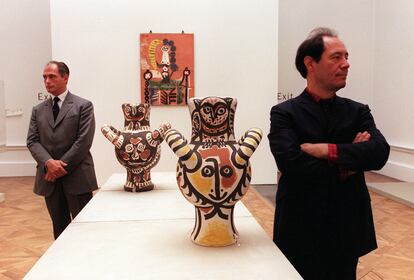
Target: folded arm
{"points": [[286, 148], [365, 155], [368, 151]]}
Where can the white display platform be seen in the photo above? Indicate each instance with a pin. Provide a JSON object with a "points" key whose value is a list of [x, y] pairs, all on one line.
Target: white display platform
{"points": [[158, 250], [152, 205], [121, 235], [161, 181]]}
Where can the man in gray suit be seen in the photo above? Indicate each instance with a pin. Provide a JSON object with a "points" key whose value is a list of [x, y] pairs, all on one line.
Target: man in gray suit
{"points": [[60, 136]]}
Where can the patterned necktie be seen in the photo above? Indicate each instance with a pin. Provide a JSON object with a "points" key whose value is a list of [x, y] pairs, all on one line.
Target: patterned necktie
{"points": [[55, 107]]}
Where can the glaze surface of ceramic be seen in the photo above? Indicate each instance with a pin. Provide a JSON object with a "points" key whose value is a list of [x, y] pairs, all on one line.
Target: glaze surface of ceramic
{"points": [[213, 170], [137, 148]]}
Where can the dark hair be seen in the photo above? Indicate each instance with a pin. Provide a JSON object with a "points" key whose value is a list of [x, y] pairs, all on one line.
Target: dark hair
{"points": [[63, 69], [313, 46]]}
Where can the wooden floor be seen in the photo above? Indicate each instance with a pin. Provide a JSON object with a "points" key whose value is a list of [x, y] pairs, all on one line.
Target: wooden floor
{"points": [[26, 231], [25, 227]]}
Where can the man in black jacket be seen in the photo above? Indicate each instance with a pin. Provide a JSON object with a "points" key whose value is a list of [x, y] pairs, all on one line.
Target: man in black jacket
{"points": [[322, 144]]}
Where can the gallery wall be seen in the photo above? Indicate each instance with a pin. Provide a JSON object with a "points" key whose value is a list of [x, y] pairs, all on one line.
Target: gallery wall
{"points": [[353, 20], [2, 118], [235, 55], [393, 83], [380, 40], [25, 48]]}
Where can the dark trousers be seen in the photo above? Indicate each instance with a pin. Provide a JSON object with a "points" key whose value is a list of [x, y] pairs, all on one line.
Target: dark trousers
{"points": [[318, 267], [64, 207]]}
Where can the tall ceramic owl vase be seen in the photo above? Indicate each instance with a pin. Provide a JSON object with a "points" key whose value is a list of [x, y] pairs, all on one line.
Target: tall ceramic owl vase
{"points": [[213, 170], [137, 148]]}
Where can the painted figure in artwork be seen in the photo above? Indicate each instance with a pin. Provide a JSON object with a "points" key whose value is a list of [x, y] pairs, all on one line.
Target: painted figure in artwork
{"points": [[137, 148], [213, 170], [167, 63]]}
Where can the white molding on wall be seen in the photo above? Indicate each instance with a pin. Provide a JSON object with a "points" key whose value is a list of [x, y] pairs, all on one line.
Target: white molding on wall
{"points": [[11, 148], [16, 160], [402, 149], [17, 168], [400, 164], [393, 168], [399, 171]]}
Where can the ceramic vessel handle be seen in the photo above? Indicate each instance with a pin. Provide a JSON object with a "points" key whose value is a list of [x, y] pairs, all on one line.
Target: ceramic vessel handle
{"points": [[157, 136], [248, 144], [179, 145], [113, 135], [163, 129]]}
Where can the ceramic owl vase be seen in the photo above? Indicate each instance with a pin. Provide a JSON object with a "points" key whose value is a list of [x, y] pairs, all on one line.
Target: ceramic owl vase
{"points": [[213, 170], [137, 148]]}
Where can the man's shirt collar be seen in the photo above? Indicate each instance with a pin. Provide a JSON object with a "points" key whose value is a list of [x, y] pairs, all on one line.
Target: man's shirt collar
{"points": [[316, 97], [61, 96]]}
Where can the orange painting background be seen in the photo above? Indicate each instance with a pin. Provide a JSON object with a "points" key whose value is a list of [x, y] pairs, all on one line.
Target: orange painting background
{"points": [[153, 57]]}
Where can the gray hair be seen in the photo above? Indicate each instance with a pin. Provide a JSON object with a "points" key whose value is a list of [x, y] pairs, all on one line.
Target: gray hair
{"points": [[322, 31]]}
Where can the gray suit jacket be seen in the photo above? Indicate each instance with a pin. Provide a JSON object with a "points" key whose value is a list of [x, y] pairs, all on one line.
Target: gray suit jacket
{"points": [[68, 139]]}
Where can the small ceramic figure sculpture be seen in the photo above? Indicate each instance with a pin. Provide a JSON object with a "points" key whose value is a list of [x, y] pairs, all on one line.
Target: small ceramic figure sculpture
{"points": [[213, 170], [137, 148]]}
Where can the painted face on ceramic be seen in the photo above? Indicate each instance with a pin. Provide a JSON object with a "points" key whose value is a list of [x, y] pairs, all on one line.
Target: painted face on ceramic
{"points": [[332, 69], [54, 82], [136, 112], [212, 117], [214, 112], [213, 170], [136, 151], [217, 177]]}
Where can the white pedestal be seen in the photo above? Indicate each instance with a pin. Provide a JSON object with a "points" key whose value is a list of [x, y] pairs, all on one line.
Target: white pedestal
{"points": [[161, 180], [123, 235], [158, 250], [153, 205]]}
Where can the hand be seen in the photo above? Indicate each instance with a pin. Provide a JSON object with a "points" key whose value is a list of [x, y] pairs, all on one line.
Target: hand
{"points": [[362, 137], [49, 177], [55, 169], [318, 150]]}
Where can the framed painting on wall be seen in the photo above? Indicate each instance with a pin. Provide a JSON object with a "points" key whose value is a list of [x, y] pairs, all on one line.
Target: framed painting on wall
{"points": [[167, 68]]}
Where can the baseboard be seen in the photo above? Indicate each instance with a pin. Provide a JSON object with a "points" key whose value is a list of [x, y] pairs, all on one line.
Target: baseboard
{"points": [[398, 171], [16, 169]]}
